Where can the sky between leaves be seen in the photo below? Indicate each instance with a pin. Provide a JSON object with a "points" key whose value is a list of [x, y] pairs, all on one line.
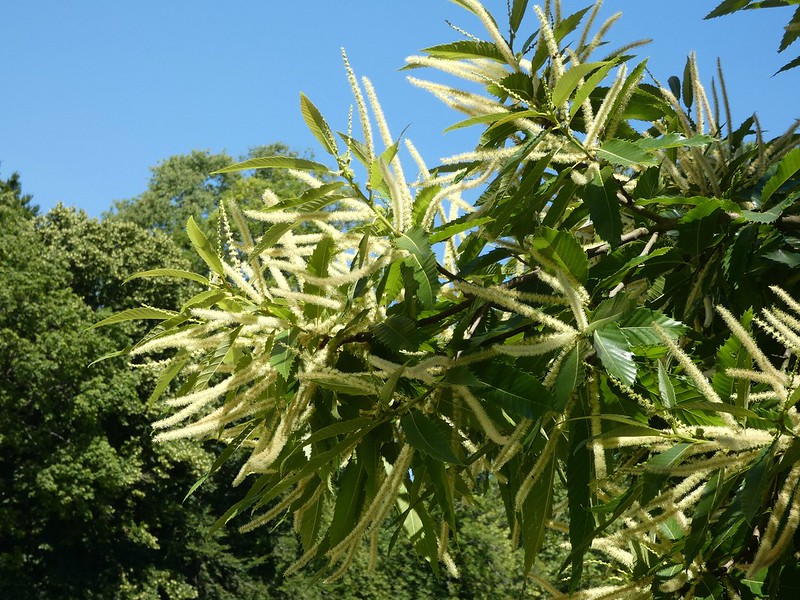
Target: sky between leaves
{"points": [[96, 93]]}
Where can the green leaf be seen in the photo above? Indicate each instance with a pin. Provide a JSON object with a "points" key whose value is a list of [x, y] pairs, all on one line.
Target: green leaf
{"points": [[355, 384], [204, 248], [466, 49], [429, 436], [234, 445], [771, 215], [638, 327], [625, 153], [215, 359], [601, 197], [452, 228], [317, 125], [349, 500], [398, 332], [415, 242], [787, 168], [570, 80], [283, 351], [614, 352], [271, 237], [570, 375], [700, 228], [517, 13], [537, 511], [313, 199], [178, 273], [585, 90], [166, 377], [275, 162], [665, 388], [518, 393], [727, 7], [579, 503], [687, 90], [662, 463], [563, 249], [673, 140], [135, 314]]}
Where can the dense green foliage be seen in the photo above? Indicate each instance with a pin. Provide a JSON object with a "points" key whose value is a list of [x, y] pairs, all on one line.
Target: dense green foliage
{"points": [[385, 348]]}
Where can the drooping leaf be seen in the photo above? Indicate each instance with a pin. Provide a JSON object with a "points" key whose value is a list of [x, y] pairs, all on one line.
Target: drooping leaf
{"points": [[579, 476], [349, 499], [429, 436], [570, 376]]}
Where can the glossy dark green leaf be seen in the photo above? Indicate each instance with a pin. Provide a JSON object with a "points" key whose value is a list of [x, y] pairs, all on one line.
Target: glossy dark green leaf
{"points": [[601, 197]]}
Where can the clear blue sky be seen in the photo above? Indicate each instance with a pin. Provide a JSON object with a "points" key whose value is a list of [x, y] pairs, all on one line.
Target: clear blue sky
{"points": [[94, 93]]}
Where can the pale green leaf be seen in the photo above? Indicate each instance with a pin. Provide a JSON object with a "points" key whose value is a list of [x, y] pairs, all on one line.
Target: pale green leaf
{"points": [[204, 248], [318, 126]]}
